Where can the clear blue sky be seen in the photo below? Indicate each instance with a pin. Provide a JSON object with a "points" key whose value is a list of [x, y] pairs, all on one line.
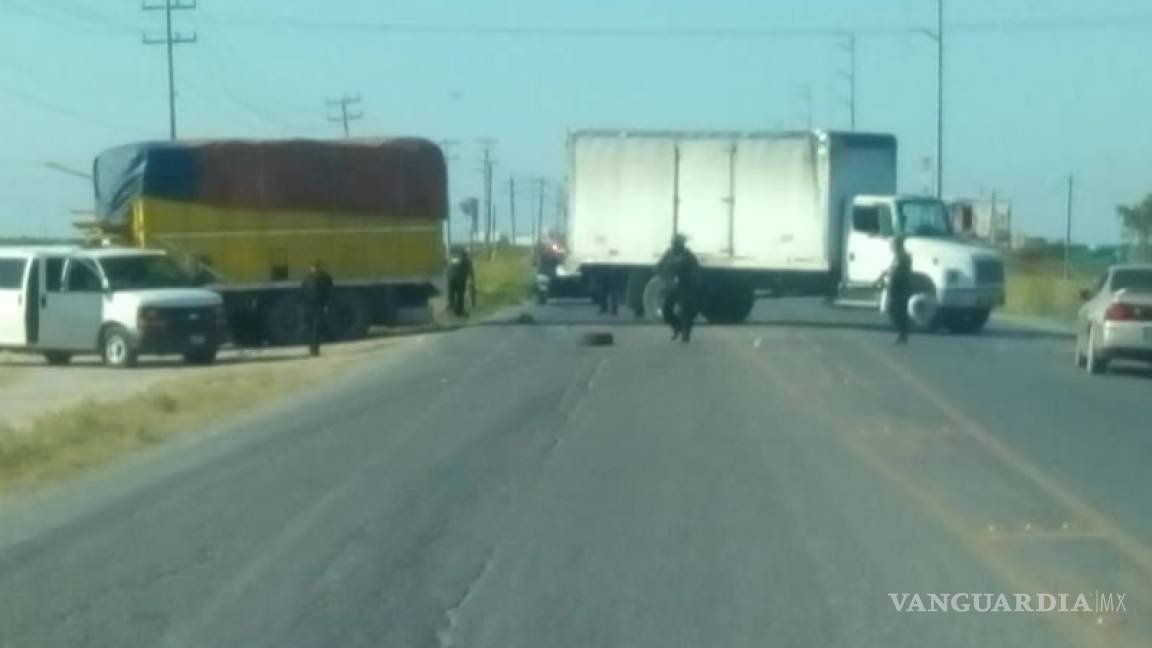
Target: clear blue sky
{"points": [[1036, 88]]}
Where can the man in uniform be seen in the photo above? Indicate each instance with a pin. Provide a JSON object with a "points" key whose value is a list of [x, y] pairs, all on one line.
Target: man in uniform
{"points": [[460, 273], [681, 273], [899, 289], [316, 295]]}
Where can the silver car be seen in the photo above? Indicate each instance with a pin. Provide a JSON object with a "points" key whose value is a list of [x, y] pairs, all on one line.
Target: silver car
{"points": [[1115, 321]]}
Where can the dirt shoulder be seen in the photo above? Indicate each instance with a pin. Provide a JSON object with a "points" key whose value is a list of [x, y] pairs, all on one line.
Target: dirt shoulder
{"points": [[59, 421]]}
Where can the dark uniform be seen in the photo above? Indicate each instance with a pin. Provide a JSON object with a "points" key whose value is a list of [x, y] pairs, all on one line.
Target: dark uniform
{"points": [[899, 289], [608, 289], [316, 296], [681, 271], [460, 272]]}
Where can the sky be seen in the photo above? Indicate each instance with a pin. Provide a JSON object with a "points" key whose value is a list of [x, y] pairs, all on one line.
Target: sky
{"points": [[1036, 90]]}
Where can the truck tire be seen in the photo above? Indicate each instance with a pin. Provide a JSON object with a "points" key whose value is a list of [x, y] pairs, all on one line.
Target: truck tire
{"points": [[966, 321], [731, 302], [204, 356], [348, 317], [924, 312], [117, 348], [284, 321], [637, 281], [653, 297]]}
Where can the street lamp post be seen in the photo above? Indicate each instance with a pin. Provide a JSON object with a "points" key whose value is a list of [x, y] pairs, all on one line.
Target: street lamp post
{"points": [[938, 36]]}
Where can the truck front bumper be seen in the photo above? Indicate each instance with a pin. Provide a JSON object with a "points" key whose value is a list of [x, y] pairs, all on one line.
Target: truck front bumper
{"points": [[982, 297]]}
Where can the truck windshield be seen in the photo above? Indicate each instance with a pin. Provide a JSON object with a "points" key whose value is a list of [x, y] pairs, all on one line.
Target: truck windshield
{"points": [[924, 218], [143, 272]]}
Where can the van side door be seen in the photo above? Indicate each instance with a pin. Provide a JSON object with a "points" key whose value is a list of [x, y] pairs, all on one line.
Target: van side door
{"points": [[72, 314], [13, 300]]}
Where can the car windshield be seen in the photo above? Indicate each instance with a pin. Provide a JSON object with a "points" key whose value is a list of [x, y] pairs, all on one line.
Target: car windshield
{"points": [[1134, 280], [924, 218], [143, 272]]}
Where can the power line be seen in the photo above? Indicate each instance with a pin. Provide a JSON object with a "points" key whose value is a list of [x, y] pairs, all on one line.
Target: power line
{"points": [[170, 40], [1070, 24], [345, 117]]}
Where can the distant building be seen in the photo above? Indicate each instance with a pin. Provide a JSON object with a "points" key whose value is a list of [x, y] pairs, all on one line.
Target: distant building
{"points": [[1022, 241], [988, 220]]}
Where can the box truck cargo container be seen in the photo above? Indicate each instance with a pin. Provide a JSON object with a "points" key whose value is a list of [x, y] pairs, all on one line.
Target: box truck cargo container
{"points": [[250, 217], [809, 213]]}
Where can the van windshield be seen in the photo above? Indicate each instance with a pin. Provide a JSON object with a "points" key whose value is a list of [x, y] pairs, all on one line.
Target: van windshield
{"points": [[924, 218], [143, 272]]}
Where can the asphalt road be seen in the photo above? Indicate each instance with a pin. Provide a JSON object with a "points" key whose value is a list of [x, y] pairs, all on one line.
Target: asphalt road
{"points": [[767, 485]]}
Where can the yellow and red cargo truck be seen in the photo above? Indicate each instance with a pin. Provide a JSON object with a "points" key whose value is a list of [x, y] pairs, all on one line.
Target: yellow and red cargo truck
{"points": [[250, 217]]}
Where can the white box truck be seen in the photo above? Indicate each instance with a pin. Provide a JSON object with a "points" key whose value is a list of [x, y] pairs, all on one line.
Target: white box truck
{"points": [[808, 213]]}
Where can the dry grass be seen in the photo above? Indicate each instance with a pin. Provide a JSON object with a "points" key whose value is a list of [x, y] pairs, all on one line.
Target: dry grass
{"points": [[63, 443], [502, 278]]}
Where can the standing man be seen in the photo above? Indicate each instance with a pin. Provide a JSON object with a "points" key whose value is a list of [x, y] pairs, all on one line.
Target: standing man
{"points": [[681, 273], [899, 289], [460, 274], [316, 295]]}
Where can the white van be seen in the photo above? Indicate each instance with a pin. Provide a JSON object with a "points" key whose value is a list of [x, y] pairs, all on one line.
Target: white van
{"points": [[116, 302]]}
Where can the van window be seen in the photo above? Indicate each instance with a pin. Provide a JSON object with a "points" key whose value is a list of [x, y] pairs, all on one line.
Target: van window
{"points": [[82, 277], [12, 274], [55, 273]]}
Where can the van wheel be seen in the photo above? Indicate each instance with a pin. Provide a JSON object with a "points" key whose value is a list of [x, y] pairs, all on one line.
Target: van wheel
{"points": [[204, 356], [57, 358], [117, 349]]}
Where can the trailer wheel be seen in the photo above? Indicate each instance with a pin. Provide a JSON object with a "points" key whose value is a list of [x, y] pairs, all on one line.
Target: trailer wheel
{"points": [[284, 322], [348, 317], [730, 303], [637, 282], [653, 297]]}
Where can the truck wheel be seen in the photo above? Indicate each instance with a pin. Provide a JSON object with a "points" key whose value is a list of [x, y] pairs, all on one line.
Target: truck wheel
{"points": [[923, 309], [731, 303], [653, 297], [637, 282], [967, 321], [284, 322], [348, 317], [204, 356], [57, 358], [117, 349]]}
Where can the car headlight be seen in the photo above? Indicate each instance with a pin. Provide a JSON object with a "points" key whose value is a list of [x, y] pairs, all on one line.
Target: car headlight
{"points": [[952, 277]]}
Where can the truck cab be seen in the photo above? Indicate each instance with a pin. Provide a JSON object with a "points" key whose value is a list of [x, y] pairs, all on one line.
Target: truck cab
{"points": [[956, 282], [115, 302]]}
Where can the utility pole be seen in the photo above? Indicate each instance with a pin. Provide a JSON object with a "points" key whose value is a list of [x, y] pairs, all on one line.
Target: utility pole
{"points": [[940, 99], [487, 163], [806, 98], [512, 206], [345, 117], [540, 182], [849, 44], [1068, 230], [170, 40], [446, 146]]}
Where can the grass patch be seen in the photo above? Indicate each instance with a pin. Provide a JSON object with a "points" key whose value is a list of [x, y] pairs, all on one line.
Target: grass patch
{"points": [[1036, 286], [504, 276], [75, 439]]}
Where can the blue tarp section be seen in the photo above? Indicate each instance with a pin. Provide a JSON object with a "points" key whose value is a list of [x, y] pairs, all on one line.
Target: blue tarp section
{"points": [[399, 177]]}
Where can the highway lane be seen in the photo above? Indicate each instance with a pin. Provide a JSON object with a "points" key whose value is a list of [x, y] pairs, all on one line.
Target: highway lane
{"points": [[768, 484]]}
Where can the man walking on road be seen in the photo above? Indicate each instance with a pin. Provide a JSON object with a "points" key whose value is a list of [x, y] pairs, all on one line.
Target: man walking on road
{"points": [[899, 289], [316, 296], [681, 273], [460, 274]]}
